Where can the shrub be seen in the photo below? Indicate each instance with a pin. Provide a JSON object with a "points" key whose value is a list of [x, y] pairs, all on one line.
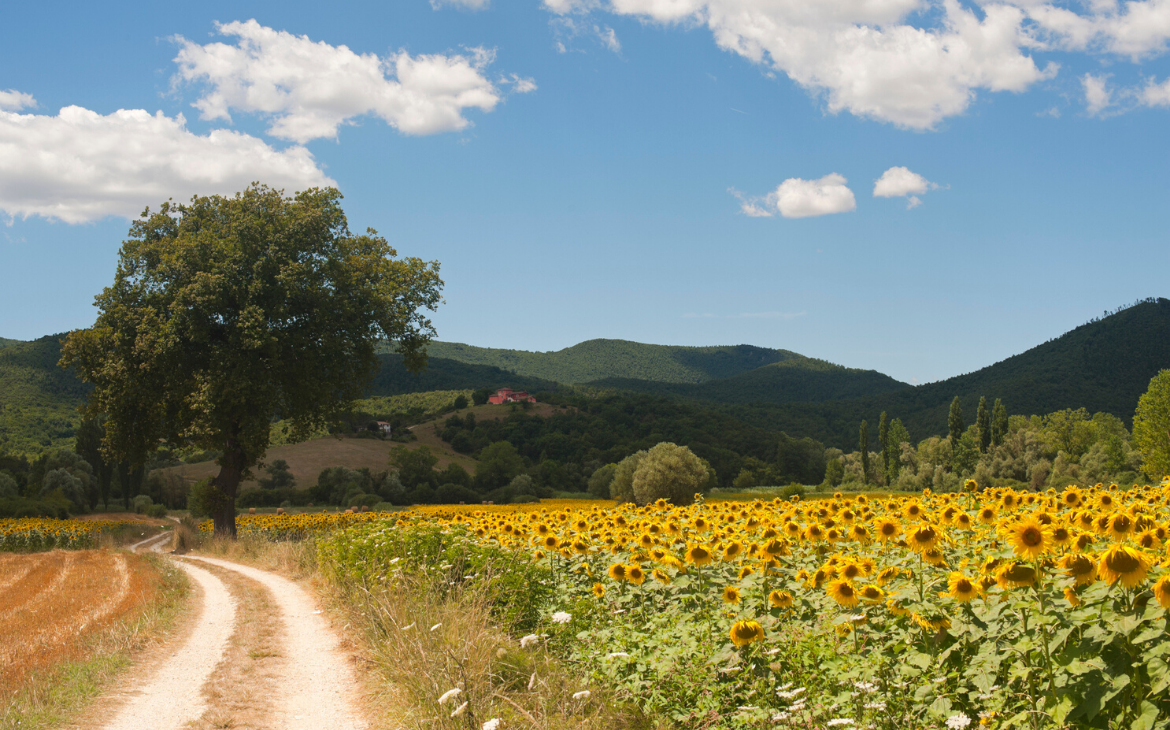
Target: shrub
{"points": [[524, 499], [621, 487], [204, 498], [142, 503], [793, 489], [669, 472], [158, 511]]}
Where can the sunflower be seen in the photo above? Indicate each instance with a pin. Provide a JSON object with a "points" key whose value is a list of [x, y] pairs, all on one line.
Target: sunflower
{"points": [[745, 632], [887, 575], [934, 622], [851, 570], [699, 555], [539, 555], [617, 572], [843, 592], [1120, 526], [1162, 591], [871, 594], [731, 594], [963, 521], [1071, 596], [923, 538], [661, 576], [1080, 567], [733, 550], [598, 590], [1083, 542], [1015, 575], [635, 574], [1061, 535], [1030, 539], [1071, 497], [988, 515], [814, 533], [963, 589], [887, 529], [744, 572], [935, 558], [895, 606], [1148, 540], [780, 599], [1123, 563]]}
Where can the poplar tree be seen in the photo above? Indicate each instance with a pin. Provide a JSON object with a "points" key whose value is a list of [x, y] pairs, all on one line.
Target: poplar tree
{"points": [[864, 448], [983, 423], [884, 440], [955, 423], [999, 423]]}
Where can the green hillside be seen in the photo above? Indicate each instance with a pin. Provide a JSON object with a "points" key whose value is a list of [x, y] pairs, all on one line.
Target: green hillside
{"points": [[1105, 365], [797, 380], [38, 400], [443, 374], [5, 342], [600, 359]]}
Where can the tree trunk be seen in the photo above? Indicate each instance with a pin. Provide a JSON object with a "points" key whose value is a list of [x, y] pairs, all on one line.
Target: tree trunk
{"points": [[231, 470]]}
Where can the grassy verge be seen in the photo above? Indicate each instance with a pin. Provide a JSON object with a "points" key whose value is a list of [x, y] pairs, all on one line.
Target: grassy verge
{"points": [[49, 698]]}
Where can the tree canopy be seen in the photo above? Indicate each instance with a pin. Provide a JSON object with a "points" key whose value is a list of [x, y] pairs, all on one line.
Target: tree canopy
{"points": [[1151, 426], [228, 311]]}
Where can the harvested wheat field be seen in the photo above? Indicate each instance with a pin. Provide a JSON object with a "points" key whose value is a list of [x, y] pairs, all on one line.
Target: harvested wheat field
{"points": [[51, 603]]}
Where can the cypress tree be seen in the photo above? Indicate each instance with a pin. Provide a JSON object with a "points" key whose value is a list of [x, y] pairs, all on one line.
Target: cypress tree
{"points": [[864, 448], [955, 423], [884, 440], [983, 423], [999, 423]]}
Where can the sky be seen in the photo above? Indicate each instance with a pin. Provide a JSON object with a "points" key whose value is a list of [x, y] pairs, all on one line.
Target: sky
{"points": [[920, 187]]}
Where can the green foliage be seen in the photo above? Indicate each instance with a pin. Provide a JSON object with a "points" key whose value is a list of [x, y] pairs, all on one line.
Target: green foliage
{"points": [[955, 423], [499, 464], [38, 401], [1151, 427], [205, 498], [621, 489], [670, 472], [834, 472], [374, 556], [226, 311], [999, 423], [279, 476], [142, 503], [983, 425], [863, 449], [460, 402], [600, 481]]}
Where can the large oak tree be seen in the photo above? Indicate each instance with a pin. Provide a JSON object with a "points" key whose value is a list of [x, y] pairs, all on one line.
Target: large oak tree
{"points": [[228, 312]]}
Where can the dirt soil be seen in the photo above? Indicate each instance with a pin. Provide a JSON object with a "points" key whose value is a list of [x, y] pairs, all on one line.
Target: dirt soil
{"points": [[258, 654]]}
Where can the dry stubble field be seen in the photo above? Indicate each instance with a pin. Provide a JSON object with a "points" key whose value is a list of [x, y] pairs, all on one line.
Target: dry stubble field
{"points": [[54, 605]]}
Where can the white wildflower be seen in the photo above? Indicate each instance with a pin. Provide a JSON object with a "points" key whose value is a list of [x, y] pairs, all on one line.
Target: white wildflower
{"points": [[492, 724], [560, 617], [617, 654], [866, 687], [839, 721], [582, 695], [789, 694], [772, 652], [856, 618], [528, 641], [875, 705], [460, 709], [746, 708], [959, 721], [436, 626], [449, 695]]}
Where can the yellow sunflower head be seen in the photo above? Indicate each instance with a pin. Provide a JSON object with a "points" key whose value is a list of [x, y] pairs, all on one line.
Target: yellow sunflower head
{"points": [[617, 572], [843, 592], [699, 555], [635, 574], [1015, 575], [963, 589], [1080, 567], [731, 594], [1030, 539], [1125, 564], [780, 599], [598, 590], [871, 594], [1162, 591], [745, 632], [923, 538]]}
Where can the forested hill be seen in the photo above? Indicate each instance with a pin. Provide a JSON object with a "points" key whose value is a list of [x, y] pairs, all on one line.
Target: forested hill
{"points": [[38, 400], [600, 359], [5, 342], [797, 380], [443, 374], [1104, 365]]}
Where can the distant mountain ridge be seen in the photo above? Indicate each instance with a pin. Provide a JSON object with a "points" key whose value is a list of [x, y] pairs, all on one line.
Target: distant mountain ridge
{"points": [[599, 359]]}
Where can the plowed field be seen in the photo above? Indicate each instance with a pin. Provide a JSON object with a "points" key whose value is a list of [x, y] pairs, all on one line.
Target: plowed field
{"points": [[52, 603]]}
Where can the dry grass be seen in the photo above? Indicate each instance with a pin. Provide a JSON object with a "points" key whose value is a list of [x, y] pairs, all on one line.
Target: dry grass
{"points": [[467, 650], [70, 620]]}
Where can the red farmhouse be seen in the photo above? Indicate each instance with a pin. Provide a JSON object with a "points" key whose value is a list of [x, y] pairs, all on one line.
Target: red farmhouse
{"points": [[507, 395]]}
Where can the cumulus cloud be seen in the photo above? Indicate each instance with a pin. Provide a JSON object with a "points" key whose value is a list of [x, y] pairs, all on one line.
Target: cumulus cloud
{"points": [[799, 198], [309, 89], [14, 101], [1155, 94], [900, 182], [568, 28], [81, 166], [913, 63], [1098, 98]]}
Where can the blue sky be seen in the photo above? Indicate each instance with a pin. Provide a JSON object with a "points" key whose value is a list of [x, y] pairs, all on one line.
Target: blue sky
{"points": [[589, 168]]}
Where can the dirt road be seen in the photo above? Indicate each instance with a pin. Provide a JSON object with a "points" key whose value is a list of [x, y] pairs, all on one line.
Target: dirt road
{"points": [[306, 680]]}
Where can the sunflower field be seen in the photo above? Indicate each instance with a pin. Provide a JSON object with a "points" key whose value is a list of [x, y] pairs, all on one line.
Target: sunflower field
{"points": [[992, 608], [24, 535]]}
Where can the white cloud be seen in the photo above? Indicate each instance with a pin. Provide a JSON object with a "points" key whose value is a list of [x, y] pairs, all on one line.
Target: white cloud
{"points": [[1155, 94], [311, 88], [81, 166], [913, 63], [797, 198], [14, 101], [519, 84], [567, 28], [898, 182], [1098, 98], [463, 4]]}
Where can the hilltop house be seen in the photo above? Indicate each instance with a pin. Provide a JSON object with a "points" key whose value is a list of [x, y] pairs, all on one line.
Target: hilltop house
{"points": [[507, 395]]}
